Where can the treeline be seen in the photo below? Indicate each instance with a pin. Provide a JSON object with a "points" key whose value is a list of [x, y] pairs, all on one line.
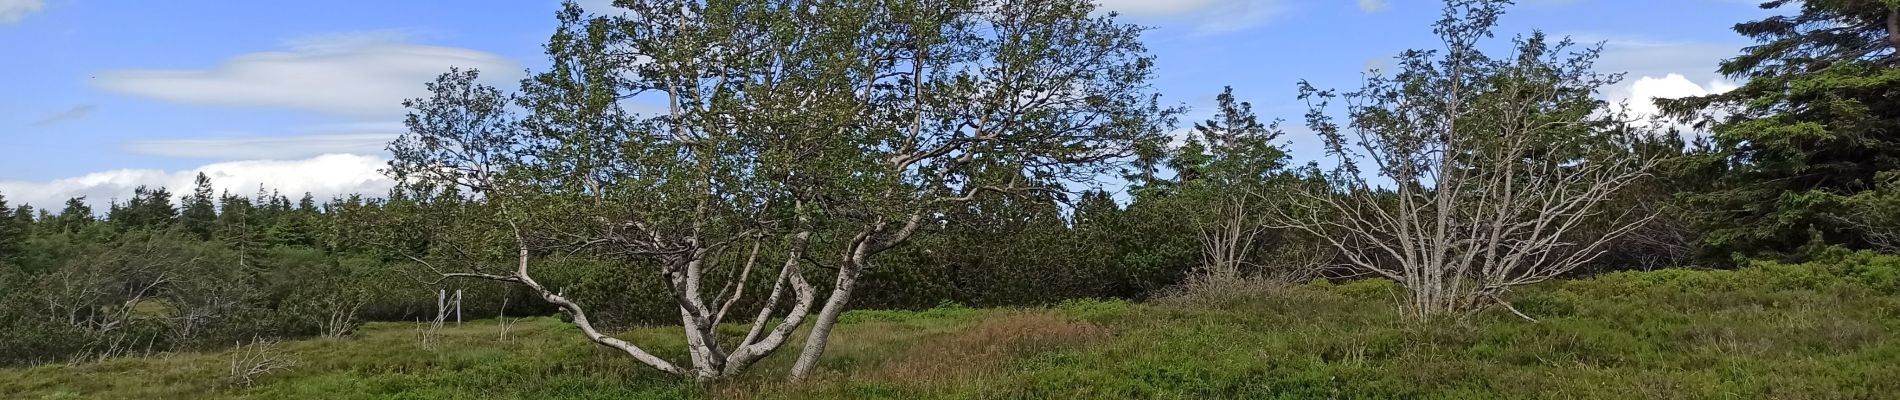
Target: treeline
{"points": [[928, 181], [159, 272]]}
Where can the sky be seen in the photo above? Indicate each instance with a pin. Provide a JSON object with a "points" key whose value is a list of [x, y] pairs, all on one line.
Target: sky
{"points": [[98, 97]]}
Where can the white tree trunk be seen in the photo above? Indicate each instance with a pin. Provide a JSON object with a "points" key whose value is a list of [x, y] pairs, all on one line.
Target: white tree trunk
{"points": [[820, 335]]}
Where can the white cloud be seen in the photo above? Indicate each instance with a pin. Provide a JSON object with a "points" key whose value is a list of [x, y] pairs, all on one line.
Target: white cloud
{"points": [[1660, 69], [264, 147], [1641, 94], [358, 74], [324, 176], [13, 11], [1374, 5]]}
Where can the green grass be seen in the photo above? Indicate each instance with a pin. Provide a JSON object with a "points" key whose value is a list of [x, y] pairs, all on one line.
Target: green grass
{"points": [[1769, 331]]}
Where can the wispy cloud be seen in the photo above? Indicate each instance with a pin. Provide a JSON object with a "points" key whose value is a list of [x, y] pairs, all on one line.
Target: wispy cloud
{"points": [[264, 147], [14, 11], [360, 74], [70, 114], [1374, 5], [342, 42]]}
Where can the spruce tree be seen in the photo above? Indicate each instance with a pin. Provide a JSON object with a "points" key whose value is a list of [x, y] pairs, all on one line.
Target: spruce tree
{"points": [[75, 217], [200, 215], [12, 233], [148, 209], [1816, 122]]}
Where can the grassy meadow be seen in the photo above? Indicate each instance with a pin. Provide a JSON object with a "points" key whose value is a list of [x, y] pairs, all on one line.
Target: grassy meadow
{"points": [[1768, 331]]}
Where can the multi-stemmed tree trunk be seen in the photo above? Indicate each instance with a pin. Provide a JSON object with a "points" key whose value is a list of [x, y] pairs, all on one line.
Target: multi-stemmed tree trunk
{"points": [[1227, 169], [1485, 170], [780, 117], [1228, 238], [544, 201], [956, 87]]}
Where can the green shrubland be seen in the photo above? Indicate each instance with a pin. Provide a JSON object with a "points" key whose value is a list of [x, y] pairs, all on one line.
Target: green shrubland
{"points": [[1821, 329], [1510, 235]]}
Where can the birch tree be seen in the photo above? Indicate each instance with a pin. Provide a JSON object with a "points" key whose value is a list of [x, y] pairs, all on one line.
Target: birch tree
{"points": [[1464, 175], [562, 168], [948, 88], [780, 121], [1227, 171]]}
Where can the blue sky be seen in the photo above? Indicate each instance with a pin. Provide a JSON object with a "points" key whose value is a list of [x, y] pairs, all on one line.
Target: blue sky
{"points": [[100, 96]]}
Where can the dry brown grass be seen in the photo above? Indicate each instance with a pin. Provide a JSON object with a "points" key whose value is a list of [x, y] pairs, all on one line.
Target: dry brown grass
{"points": [[940, 361], [983, 348]]}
